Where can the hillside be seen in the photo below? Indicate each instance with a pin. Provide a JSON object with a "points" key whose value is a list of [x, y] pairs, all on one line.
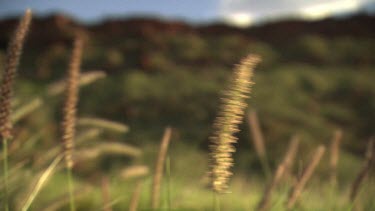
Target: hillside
{"points": [[315, 76]]}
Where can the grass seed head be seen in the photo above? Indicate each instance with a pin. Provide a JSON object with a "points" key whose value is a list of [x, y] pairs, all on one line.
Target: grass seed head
{"points": [[69, 109], [233, 105], [11, 64]]}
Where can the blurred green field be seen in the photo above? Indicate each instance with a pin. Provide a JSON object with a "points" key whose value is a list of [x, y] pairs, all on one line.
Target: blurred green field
{"points": [[188, 185], [310, 86]]}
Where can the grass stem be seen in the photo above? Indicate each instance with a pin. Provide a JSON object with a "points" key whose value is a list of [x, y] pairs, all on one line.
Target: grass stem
{"points": [[71, 189], [159, 169], [5, 154], [168, 178], [216, 201], [266, 167], [259, 142]]}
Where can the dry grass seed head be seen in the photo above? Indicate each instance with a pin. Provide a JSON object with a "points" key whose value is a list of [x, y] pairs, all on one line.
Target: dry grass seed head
{"points": [[69, 109], [233, 105], [11, 64]]}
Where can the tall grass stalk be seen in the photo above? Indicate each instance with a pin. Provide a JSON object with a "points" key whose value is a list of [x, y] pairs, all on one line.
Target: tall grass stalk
{"points": [[335, 153], [290, 156], [281, 170], [259, 143], [306, 174], [13, 56], [69, 112], [106, 196], [159, 168], [168, 181], [5, 173], [364, 171], [135, 197]]}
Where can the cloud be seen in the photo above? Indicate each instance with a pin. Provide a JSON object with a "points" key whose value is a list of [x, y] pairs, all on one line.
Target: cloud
{"points": [[234, 10], [239, 19], [325, 9]]}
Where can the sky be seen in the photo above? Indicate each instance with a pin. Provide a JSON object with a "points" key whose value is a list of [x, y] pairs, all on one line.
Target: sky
{"points": [[236, 12]]}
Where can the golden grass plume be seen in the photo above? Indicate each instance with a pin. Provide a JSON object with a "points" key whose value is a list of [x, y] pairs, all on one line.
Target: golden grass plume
{"points": [[233, 105]]}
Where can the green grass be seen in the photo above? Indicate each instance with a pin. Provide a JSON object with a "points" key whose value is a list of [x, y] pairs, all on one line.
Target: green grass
{"points": [[5, 174], [186, 187]]}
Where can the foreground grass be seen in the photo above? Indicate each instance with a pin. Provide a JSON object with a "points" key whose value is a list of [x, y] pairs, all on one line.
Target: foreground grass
{"points": [[189, 189]]}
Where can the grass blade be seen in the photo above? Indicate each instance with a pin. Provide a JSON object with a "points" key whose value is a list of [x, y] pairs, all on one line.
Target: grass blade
{"points": [[41, 182], [155, 197]]}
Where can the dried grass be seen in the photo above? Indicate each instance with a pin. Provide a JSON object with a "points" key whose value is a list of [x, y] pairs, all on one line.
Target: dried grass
{"points": [[364, 171], [159, 168], [135, 171], [258, 141], [233, 105], [335, 152], [103, 124], [280, 172], [69, 109], [43, 179], [106, 195], [306, 174], [11, 64], [135, 197], [86, 78]]}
